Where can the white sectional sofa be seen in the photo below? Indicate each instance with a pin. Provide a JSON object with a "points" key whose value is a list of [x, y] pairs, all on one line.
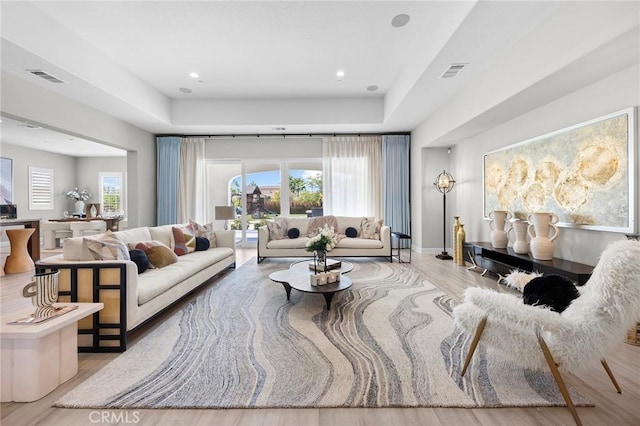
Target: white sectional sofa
{"points": [[377, 245], [130, 298]]}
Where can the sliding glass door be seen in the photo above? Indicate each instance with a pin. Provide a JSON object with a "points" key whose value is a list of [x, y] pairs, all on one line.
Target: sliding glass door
{"points": [[255, 189]]}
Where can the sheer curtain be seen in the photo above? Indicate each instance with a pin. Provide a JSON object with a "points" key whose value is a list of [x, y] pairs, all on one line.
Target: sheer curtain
{"points": [[192, 181], [352, 178], [167, 172], [395, 178]]}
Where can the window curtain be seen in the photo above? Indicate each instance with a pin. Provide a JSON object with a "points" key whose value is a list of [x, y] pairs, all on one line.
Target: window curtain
{"points": [[167, 172], [352, 176], [192, 181], [395, 182]]}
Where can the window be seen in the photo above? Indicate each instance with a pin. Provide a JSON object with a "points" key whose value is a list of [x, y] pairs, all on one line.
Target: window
{"points": [[40, 188], [112, 193]]}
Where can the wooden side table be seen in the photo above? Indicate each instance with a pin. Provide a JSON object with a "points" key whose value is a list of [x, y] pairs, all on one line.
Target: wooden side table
{"points": [[19, 260], [37, 358]]}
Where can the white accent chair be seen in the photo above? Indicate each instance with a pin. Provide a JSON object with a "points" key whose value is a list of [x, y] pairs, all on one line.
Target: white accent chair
{"points": [[93, 227], [574, 340], [55, 232]]}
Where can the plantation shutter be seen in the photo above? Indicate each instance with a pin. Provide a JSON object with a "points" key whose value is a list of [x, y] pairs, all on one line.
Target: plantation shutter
{"points": [[40, 188]]}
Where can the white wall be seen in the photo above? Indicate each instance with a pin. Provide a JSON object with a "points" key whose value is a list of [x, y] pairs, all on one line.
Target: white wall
{"points": [[24, 100], [275, 147], [68, 173], [608, 95], [64, 178]]}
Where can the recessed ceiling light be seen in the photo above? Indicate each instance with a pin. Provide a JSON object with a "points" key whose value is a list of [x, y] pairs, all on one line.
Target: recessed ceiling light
{"points": [[340, 73], [194, 75], [184, 90], [372, 88], [400, 20]]}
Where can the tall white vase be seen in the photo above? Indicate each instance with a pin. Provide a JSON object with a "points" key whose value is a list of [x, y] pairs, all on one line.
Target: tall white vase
{"points": [[517, 234], [542, 245], [79, 206], [499, 237]]}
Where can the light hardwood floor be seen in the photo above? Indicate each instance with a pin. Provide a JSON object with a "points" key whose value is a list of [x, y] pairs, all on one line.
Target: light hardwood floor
{"points": [[610, 408]]}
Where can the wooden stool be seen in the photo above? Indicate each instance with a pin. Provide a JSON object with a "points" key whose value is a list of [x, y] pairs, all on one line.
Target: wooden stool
{"points": [[19, 260]]}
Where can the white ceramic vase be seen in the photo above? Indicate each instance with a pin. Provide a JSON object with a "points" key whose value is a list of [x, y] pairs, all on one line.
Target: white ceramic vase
{"points": [[517, 234], [541, 224], [79, 206], [499, 237]]}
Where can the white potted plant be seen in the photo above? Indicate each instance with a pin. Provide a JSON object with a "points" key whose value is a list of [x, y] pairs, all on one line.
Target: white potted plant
{"points": [[79, 197]]}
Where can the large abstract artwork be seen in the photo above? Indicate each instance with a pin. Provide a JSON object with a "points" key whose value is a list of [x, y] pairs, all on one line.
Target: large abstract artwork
{"points": [[6, 181], [584, 174]]}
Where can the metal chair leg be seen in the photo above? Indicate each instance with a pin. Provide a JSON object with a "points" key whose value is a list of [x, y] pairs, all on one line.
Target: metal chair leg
{"points": [[474, 345], [610, 373], [556, 375]]}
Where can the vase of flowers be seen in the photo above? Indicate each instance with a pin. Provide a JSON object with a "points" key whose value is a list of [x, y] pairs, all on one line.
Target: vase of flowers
{"points": [[320, 244], [79, 197]]}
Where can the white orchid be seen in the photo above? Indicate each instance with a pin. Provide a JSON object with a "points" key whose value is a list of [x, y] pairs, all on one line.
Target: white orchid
{"points": [[83, 195], [325, 240]]}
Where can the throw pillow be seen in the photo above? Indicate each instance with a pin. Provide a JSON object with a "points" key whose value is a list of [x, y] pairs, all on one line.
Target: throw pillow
{"points": [[553, 291], [293, 233], [145, 245], [205, 231], [161, 256], [106, 247], [277, 230], [202, 244], [185, 240], [140, 259], [370, 229], [351, 232], [518, 279]]}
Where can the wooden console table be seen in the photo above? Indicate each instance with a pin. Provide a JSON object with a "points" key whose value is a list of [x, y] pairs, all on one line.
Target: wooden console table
{"points": [[503, 261], [33, 245]]}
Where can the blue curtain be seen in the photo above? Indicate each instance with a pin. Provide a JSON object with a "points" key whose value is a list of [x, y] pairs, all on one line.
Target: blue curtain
{"points": [[168, 178], [395, 182]]}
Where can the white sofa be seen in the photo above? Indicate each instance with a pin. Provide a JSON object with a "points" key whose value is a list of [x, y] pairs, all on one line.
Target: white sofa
{"points": [[130, 298], [345, 247]]}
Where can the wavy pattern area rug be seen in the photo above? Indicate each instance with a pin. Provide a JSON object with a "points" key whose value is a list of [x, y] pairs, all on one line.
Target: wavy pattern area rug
{"points": [[389, 341]]}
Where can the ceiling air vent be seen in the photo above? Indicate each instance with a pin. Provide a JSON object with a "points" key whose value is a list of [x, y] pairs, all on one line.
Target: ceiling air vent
{"points": [[45, 75], [453, 70]]}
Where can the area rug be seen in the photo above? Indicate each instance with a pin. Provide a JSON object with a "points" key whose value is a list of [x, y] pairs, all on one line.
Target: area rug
{"points": [[389, 341]]}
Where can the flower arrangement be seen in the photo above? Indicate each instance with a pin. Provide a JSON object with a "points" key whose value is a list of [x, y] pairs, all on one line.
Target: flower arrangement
{"points": [[83, 195], [324, 240]]}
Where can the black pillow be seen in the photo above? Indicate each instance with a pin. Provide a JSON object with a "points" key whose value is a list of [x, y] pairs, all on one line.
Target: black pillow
{"points": [[553, 291], [351, 232], [202, 244], [140, 259], [293, 233]]}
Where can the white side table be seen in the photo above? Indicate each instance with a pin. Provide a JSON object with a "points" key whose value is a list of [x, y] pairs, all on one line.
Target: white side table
{"points": [[37, 358]]}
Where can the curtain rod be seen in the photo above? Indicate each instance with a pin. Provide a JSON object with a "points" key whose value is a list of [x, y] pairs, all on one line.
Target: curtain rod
{"points": [[281, 135]]}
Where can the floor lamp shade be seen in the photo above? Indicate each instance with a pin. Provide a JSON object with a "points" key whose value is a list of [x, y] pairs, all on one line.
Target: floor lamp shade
{"points": [[444, 184]]}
